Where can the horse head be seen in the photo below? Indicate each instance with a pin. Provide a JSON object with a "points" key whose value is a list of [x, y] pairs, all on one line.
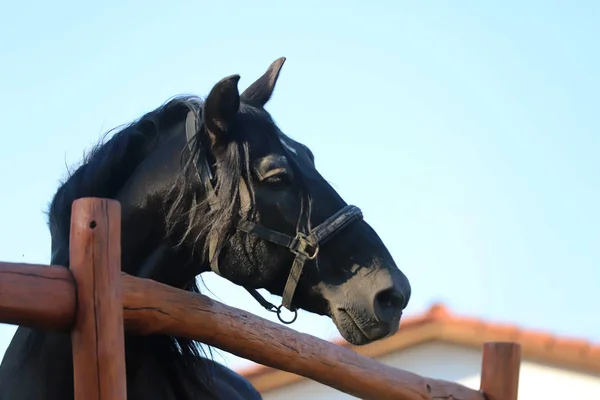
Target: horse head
{"points": [[216, 185], [266, 218]]}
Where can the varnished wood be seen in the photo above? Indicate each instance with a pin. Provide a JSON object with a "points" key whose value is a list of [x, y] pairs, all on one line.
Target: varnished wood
{"points": [[98, 335], [151, 307], [37, 296], [500, 370]]}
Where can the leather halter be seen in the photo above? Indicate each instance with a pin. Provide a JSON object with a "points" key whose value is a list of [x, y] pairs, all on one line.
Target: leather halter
{"points": [[304, 246]]}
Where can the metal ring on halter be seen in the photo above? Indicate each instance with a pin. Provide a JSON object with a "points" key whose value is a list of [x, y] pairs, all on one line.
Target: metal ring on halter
{"points": [[284, 321], [315, 254]]}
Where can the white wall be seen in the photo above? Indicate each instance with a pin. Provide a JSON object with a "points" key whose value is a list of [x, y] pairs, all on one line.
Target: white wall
{"points": [[462, 365]]}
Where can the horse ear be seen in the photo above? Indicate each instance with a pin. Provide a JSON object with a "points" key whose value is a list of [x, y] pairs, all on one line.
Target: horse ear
{"points": [[260, 91], [220, 108]]}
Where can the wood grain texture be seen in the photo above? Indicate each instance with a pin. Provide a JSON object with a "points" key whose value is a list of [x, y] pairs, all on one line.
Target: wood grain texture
{"points": [[500, 370], [37, 296], [98, 335], [151, 307]]}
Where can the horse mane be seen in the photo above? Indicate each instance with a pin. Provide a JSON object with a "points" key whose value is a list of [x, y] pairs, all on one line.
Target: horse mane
{"points": [[201, 218], [195, 211], [103, 171], [110, 163]]}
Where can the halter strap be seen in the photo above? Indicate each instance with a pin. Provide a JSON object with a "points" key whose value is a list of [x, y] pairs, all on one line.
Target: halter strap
{"points": [[305, 247]]}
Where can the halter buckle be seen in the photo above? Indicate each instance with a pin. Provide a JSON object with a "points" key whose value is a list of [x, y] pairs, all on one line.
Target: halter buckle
{"points": [[303, 245]]}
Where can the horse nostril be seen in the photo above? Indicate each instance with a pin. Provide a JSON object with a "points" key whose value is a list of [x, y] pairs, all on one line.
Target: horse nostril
{"points": [[389, 304]]}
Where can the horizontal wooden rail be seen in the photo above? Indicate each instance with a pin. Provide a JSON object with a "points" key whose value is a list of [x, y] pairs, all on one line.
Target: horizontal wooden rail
{"points": [[44, 297]]}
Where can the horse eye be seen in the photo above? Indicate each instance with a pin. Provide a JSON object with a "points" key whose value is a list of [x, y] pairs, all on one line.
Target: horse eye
{"points": [[276, 176], [278, 180]]}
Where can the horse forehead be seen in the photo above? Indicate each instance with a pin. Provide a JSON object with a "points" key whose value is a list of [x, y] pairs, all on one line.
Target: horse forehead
{"points": [[299, 153], [290, 144]]}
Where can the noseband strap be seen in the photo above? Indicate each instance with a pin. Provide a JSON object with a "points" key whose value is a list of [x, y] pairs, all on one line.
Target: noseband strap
{"points": [[305, 246]]}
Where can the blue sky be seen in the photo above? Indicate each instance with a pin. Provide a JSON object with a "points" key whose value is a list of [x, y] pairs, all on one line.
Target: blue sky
{"points": [[466, 132]]}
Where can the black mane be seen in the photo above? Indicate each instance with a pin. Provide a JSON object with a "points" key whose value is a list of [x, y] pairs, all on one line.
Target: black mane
{"points": [[103, 171], [197, 214], [109, 164]]}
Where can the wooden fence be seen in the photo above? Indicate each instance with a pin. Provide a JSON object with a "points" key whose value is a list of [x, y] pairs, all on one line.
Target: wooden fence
{"points": [[96, 302]]}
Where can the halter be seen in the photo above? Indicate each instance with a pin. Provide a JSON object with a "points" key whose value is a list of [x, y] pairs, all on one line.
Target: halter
{"points": [[304, 246]]}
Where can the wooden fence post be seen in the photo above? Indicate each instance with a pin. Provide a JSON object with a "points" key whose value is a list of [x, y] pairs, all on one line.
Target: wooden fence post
{"points": [[500, 369], [98, 336]]}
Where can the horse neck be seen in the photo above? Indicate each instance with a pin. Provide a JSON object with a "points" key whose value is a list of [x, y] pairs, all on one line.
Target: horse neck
{"points": [[37, 365]]}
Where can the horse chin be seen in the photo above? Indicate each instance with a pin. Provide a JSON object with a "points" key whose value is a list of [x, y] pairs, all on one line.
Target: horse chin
{"points": [[360, 333]]}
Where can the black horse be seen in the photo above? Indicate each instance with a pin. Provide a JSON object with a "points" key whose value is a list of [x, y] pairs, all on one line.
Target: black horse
{"points": [[215, 185]]}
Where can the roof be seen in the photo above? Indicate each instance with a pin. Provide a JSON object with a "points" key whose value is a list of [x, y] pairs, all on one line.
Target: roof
{"points": [[440, 324]]}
